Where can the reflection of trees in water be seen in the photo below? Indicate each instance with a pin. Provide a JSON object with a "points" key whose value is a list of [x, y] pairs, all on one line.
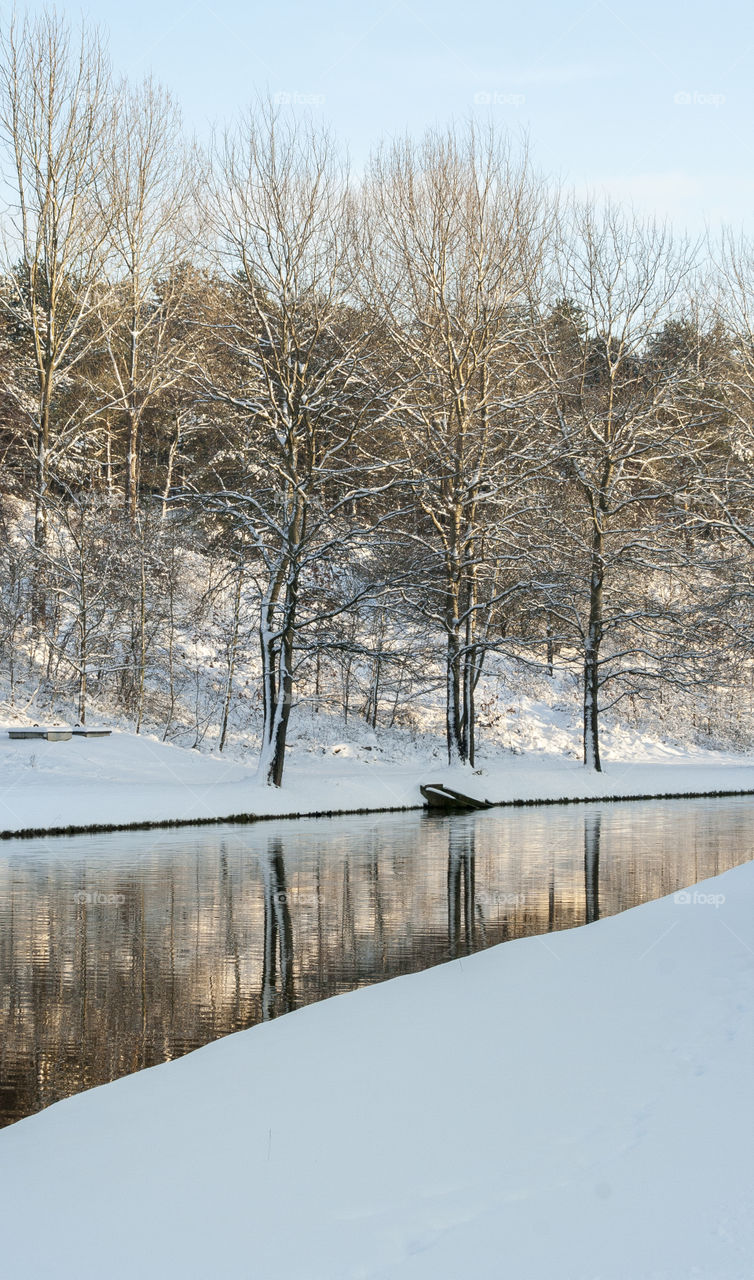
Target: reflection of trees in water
{"points": [[372, 867], [232, 947], [592, 831], [278, 937], [221, 931], [461, 894]]}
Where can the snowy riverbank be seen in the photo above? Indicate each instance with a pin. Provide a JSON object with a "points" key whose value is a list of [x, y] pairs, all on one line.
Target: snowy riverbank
{"points": [[127, 779], [577, 1105]]}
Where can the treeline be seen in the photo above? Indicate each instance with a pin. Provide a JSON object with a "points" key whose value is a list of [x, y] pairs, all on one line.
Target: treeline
{"points": [[441, 403]]}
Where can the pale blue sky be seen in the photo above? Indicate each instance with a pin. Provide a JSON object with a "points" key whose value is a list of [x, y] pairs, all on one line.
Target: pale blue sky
{"points": [[653, 102]]}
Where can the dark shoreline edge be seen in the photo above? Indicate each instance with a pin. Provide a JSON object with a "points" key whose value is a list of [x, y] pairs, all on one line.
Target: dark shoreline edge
{"points": [[99, 828]]}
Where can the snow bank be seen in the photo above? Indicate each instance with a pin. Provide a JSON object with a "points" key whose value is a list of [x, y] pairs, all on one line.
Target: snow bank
{"points": [[125, 779], [574, 1106]]}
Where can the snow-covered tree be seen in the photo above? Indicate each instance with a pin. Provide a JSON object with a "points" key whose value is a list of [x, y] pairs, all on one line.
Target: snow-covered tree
{"points": [[298, 461], [54, 89], [454, 229], [605, 529]]}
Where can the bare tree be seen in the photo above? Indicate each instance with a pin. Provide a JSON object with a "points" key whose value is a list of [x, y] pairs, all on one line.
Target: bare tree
{"points": [[723, 480], [455, 228], [53, 113], [147, 196], [618, 434], [293, 477], [83, 558]]}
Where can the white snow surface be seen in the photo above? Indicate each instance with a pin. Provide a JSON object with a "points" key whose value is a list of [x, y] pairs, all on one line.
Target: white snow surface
{"points": [[572, 1107], [131, 778]]}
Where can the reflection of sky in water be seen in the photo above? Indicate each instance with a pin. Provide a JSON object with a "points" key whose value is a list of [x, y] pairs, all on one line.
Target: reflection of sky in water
{"points": [[123, 950]]}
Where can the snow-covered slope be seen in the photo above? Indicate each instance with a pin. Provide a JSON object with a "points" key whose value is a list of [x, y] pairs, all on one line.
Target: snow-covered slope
{"points": [[576, 1106]]}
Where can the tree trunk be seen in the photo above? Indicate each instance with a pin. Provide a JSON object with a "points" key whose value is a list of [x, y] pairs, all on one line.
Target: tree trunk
{"points": [[142, 643], [470, 675], [175, 445], [171, 657], [277, 683], [232, 657], [592, 644], [40, 489], [132, 454], [373, 701], [41, 482], [456, 747], [132, 463], [83, 650], [283, 711]]}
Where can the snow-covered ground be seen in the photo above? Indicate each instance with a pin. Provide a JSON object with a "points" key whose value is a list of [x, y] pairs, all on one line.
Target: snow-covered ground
{"points": [[129, 779], [529, 748], [571, 1107]]}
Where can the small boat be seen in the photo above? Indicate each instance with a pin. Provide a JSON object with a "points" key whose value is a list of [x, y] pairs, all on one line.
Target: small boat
{"points": [[91, 733], [438, 796]]}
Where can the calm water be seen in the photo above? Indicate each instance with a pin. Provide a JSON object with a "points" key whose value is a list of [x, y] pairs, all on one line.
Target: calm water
{"points": [[121, 951]]}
